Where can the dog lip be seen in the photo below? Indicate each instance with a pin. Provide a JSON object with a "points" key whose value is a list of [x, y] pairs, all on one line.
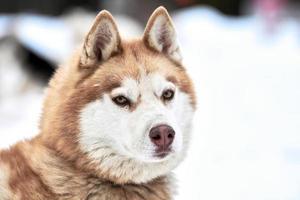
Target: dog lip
{"points": [[162, 154]]}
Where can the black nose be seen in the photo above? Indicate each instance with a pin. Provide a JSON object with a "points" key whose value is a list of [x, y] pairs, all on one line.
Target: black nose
{"points": [[162, 136]]}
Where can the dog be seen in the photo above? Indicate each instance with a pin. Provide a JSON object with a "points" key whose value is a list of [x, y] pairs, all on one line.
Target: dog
{"points": [[116, 121]]}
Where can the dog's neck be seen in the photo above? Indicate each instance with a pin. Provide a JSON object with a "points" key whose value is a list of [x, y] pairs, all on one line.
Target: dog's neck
{"points": [[52, 177]]}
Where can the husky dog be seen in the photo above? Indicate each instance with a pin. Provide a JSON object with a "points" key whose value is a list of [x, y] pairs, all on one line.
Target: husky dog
{"points": [[116, 121]]}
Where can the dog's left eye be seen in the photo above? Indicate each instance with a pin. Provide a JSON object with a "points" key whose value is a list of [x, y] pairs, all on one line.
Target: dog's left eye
{"points": [[168, 95], [121, 101]]}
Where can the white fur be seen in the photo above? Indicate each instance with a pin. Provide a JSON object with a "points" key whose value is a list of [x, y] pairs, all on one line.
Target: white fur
{"points": [[162, 24], [129, 89], [4, 192], [118, 139]]}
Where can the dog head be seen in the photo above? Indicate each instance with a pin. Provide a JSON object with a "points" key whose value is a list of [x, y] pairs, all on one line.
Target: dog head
{"points": [[125, 108]]}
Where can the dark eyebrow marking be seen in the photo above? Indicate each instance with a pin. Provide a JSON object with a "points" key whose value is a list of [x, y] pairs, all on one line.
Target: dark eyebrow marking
{"points": [[172, 79]]}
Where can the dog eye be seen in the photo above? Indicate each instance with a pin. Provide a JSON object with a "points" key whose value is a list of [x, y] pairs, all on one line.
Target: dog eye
{"points": [[168, 95], [121, 101]]}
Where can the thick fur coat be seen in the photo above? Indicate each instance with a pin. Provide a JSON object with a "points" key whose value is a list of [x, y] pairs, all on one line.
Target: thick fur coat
{"points": [[99, 108]]}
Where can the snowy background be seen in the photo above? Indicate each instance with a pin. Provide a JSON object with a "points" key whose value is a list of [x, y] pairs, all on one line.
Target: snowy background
{"points": [[246, 140]]}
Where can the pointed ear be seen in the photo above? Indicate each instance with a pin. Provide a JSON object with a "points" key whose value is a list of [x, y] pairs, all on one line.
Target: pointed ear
{"points": [[160, 34], [102, 41]]}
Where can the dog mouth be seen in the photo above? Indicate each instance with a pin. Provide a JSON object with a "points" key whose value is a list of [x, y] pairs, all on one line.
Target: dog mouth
{"points": [[162, 153]]}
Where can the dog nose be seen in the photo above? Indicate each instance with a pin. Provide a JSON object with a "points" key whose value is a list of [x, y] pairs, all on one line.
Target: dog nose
{"points": [[162, 136]]}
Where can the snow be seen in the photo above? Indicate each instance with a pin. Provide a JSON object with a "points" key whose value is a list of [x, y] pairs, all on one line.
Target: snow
{"points": [[246, 140], [20, 99], [32, 30]]}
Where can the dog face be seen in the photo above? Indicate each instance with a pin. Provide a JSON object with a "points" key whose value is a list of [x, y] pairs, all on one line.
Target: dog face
{"points": [[134, 103], [146, 119]]}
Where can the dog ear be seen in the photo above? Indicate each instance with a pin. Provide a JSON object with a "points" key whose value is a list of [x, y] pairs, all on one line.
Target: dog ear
{"points": [[160, 34], [102, 41]]}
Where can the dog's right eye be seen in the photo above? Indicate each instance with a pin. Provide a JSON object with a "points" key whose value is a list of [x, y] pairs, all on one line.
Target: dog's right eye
{"points": [[121, 101], [168, 95]]}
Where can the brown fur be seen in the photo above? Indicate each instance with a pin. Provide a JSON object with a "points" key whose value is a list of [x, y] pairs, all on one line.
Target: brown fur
{"points": [[37, 173], [52, 166]]}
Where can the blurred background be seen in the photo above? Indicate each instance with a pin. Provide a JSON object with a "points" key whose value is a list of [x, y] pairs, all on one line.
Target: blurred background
{"points": [[244, 57]]}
